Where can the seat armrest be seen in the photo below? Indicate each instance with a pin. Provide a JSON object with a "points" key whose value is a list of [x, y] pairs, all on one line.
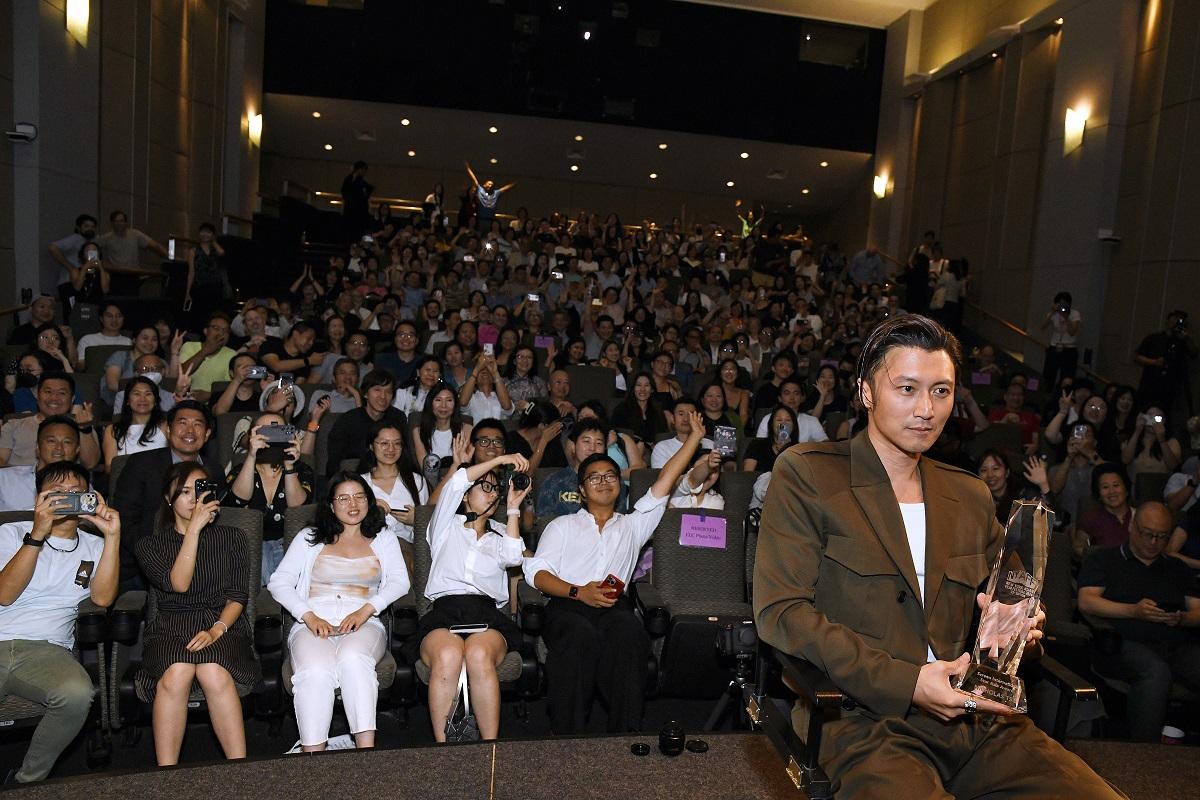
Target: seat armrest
{"points": [[1065, 679], [804, 678], [91, 623], [404, 616], [125, 617], [655, 614], [1105, 637], [531, 608]]}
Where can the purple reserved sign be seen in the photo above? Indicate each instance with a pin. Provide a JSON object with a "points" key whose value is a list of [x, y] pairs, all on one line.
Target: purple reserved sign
{"points": [[696, 530], [981, 378]]}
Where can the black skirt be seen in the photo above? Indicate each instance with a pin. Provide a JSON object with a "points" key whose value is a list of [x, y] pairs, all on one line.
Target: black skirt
{"points": [[464, 609]]}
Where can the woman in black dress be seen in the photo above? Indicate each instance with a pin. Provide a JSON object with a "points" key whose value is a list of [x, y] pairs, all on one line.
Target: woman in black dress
{"points": [[199, 574]]}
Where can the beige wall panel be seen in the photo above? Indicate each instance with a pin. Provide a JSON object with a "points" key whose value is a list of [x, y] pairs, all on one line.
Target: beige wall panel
{"points": [[168, 118], [171, 14], [118, 24], [168, 57]]}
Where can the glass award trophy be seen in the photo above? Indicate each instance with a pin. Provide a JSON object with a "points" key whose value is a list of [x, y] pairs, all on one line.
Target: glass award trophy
{"points": [[1013, 592]]}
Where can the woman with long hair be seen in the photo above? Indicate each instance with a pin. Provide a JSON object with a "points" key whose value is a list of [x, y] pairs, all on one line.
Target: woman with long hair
{"points": [[640, 411], [610, 358], [337, 578], [141, 425], [49, 340], [523, 383], [468, 584], [1005, 488], [485, 394], [1151, 448], [199, 573], [410, 398], [737, 399], [456, 371], [783, 431], [506, 346], [119, 366], [715, 412], [440, 423], [394, 478]]}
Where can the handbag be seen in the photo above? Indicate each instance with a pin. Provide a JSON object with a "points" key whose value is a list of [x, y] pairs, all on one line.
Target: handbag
{"points": [[938, 301], [462, 727]]}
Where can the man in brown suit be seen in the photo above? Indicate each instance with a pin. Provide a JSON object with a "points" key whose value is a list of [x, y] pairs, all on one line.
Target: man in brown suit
{"points": [[869, 562]]}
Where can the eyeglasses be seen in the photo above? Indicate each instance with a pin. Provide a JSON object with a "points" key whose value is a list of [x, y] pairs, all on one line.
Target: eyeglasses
{"points": [[484, 441], [1154, 537], [406, 335], [347, 499], [488, 487], [601, 477]]}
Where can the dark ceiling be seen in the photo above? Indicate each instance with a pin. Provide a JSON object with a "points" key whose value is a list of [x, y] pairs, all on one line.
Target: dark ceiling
{"points": [[648, 63]]}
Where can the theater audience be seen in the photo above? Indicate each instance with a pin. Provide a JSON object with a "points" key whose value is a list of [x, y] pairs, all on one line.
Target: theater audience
{"points": [[348, 439], [337, 577]]}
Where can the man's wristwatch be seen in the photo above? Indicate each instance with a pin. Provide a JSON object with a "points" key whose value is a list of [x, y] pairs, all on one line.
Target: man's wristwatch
{"points": [[32, 542], [572, 593]]}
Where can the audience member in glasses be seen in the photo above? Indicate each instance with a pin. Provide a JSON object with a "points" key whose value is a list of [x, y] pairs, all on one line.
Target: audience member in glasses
{"points": [[349, 437], [597, 645], [336, 579], [468, 584], [1153, 602]]}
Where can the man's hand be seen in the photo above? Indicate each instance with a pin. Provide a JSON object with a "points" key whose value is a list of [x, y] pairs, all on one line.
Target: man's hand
{"points": [[1148, 611], [43, 515], [106, 519], [935, 696], [596, 596]]}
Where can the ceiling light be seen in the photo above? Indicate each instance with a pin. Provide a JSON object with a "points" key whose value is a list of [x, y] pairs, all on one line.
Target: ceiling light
{"points": [[824, 164], [804, 191], [653, 176], [579, 137], [328, 147], [412, 153], [745, 155], [574, 168], [662, 145], [493, 160], [406, 121], [493, 129], [316, 115], [729, 184]]}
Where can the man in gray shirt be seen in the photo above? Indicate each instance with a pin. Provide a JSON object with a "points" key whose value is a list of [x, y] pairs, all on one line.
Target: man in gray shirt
{"points": [[122, 245], [867, 267]]}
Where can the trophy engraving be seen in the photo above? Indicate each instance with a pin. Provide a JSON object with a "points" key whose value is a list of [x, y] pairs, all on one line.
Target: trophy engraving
{"points": [[1013, 591]]}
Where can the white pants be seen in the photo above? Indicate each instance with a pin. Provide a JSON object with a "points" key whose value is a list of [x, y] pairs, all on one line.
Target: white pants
{"points": [[319, 666]]}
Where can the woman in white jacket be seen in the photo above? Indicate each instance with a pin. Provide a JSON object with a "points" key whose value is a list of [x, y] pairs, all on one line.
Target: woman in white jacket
{"points": [[336, 578]]}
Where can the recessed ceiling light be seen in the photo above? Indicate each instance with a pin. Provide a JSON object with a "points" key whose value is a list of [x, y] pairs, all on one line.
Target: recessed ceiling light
{"points": [[316, 115], [824, 164], [494, 160], [729, 184], [493, 129], [804, 191], [406, 121], [662, 146], [574, 168], [328, 147], [412, 153], [653, 176], [579, 137], [745, 155]]}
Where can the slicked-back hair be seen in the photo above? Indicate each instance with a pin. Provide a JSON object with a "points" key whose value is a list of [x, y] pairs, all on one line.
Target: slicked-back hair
{"points": [[904, 330]]}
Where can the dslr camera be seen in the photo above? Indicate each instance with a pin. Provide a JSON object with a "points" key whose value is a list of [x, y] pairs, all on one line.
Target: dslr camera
{"points": [[509, 476]]}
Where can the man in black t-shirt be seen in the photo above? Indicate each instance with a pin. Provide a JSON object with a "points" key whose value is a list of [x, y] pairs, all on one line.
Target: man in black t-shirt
{"points": [[1153, 602], [1164, 358], [293, 354]]}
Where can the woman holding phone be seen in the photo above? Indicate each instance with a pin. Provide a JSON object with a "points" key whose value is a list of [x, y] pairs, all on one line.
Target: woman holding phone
{"points": [[394, 479], [199, 573], [468, 584], [336, 578]]}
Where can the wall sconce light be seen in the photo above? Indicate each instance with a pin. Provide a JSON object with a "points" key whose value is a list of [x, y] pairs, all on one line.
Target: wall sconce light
{"points": [[78, 12], [254, 122], [880, 186], [1076, 124]]}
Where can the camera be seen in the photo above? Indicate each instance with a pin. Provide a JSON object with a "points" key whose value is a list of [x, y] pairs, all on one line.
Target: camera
{"points": [[256, 373], [206, 489], [737, 638], [558, 276], [509, 476], [73, 503]]}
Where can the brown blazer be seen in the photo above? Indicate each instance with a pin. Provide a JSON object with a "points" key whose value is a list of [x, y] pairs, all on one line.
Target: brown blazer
{"points": [[834, 581]]}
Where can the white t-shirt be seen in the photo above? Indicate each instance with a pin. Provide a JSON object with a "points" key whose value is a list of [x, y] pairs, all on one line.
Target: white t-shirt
{"points": [[1060, 333], [914, 526], [18, 488], [130, 444], [46, 610], [397, 499], [663, 451], [808, 428], [99, 339]]}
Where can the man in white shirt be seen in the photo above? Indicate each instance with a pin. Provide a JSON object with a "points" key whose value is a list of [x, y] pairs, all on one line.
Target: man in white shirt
{"points": [[808, 427], [683, 411], [1062, 356], [50, 566], [57, 440], [595, 642], [111, 320]]}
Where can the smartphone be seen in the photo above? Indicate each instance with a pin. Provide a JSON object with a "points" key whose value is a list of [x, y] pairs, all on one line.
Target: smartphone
{"points": [[468, 258], [93, 255], [74, 503], [489, 349], [556, 275], [1157, 419], [597, 302], [446, 222], [721, 256], [532, 297], [613, 585], [467, 630], [368, 240], [171, 249], [1079, 432], [278, 435], [256, 373], [206, 489], [488, 246], [287, 380]]}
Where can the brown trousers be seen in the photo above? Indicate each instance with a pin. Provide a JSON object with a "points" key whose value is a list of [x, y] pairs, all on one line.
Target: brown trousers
{"points": [[973, 757]]}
